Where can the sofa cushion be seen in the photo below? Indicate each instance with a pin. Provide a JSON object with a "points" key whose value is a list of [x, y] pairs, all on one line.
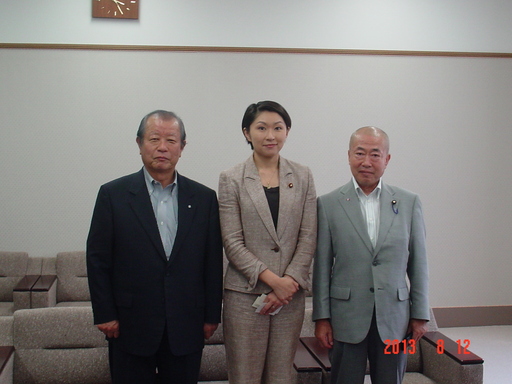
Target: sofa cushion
{"points": [[74, 304], [53, 328], [72, 284], [213, 363], [6, 308], [13, 266], [6, 330], [59, 345], [78, 365]]}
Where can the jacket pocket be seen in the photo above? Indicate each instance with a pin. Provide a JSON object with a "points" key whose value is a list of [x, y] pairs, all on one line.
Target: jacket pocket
{"points": [[340, 293], [403, 294]]}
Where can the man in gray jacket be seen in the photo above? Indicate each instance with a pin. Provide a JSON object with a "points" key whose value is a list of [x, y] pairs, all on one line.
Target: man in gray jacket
{"points": [[371, 239]]}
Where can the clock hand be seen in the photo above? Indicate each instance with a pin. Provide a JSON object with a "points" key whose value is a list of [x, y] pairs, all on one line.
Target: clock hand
{"points": [[117, 2]]}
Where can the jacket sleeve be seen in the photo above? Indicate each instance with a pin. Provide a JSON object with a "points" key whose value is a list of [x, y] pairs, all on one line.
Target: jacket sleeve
{"points": [[324, 259], [306, 241], [417, 268], [99, 256], [233, 234], [213, 270]]}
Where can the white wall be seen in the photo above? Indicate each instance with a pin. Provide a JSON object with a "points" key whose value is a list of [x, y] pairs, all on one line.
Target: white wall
{"points": [[68, 121], [432, 25]]}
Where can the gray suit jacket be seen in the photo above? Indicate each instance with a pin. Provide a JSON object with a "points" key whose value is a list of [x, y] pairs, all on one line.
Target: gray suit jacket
{"points": [[251, 241], [351, 277]]}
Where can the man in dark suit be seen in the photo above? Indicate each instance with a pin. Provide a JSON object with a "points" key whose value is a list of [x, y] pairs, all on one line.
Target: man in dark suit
{"points": [[370, 281], [154, 261]]}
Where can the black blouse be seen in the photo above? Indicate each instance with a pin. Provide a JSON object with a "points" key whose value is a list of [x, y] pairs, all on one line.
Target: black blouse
{"points": [[273, 202]]}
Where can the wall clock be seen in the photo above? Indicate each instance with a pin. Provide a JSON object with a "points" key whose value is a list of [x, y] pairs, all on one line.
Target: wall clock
{"points": [[116, 9]]}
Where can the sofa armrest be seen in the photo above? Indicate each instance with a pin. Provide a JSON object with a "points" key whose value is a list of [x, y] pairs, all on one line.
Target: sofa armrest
{"points": [[451, 366], [452, 349], [320, 354], [304, 361], [447, 362], [44, 283], [26, 283], [307, 369], [6, 364], [44, 292], [21, 292]]}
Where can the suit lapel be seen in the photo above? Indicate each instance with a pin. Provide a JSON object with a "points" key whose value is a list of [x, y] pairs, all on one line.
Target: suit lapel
{"points": [[186, 210], [287, 195], [350, 203], [141, 205], [257, 194], [387, 215]]}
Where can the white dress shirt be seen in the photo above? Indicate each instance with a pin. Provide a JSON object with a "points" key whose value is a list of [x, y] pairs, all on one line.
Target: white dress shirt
{"points": [[370, 207]]}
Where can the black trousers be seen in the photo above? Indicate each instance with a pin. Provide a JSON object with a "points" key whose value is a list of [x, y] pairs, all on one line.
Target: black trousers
{"points": [[348, 361], [161, 368]]}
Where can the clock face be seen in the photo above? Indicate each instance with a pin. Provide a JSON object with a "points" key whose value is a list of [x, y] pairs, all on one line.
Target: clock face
{"points": [[116, 9]]}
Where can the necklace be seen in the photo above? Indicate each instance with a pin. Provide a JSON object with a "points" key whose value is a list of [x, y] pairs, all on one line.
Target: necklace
{"points": [[270, 179]]}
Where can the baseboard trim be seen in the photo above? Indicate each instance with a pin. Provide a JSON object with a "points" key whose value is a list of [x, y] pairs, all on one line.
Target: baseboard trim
{"points": [[473, 316]]}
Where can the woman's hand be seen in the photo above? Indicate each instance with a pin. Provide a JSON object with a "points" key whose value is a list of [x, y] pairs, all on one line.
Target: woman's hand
{"points": [[273, 303], [283, 287]]}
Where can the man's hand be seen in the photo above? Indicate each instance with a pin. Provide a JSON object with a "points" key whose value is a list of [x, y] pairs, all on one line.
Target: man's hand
{"points": [[209, 329], [417, 328], [110, 329], [323, 332]]}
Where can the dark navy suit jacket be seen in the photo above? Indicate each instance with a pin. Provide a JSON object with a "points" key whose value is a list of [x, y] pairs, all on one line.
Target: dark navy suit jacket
{"points": [[130, 278]]}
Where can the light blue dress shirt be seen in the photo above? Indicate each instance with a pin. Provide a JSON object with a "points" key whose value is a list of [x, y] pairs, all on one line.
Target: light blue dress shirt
{"points": [[165, 207]]}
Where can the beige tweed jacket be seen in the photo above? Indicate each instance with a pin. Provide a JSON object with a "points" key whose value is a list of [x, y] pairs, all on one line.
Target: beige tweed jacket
{"points": [[250, 239]]}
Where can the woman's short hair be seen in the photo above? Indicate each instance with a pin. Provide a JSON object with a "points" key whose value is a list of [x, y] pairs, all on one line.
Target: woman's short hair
{"points": [[253, 111]]}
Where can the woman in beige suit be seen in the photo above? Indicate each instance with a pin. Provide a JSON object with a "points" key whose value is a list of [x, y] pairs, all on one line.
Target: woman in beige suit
{"points": [[268, 220]]}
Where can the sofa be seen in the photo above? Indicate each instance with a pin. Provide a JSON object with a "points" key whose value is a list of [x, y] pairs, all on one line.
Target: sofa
{"points": [[63, 282], [430, 364], [59, 343], [18, 273]]}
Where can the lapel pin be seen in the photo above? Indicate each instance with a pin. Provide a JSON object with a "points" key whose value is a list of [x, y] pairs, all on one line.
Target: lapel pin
{"points": [[189, 206], [290, 185], [395, 208]]}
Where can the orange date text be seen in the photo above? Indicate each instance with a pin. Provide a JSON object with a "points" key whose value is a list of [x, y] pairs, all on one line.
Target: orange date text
{"points": [[394, 347]]}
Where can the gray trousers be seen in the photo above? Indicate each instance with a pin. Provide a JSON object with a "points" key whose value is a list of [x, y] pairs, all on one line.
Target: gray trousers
{"points": [[348, 361], [260, 349]]}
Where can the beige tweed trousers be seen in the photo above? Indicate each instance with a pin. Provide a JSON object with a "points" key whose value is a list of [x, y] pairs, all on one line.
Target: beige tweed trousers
{"points": [[260, 349]]}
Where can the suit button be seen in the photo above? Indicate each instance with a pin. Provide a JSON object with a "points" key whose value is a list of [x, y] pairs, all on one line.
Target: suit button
{"points": [[275, 249], [375, 263], [372, 290]]}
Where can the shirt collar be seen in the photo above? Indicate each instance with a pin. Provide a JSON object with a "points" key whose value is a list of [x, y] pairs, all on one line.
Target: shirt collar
{"points": [[375, 192], [150, 182]]}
